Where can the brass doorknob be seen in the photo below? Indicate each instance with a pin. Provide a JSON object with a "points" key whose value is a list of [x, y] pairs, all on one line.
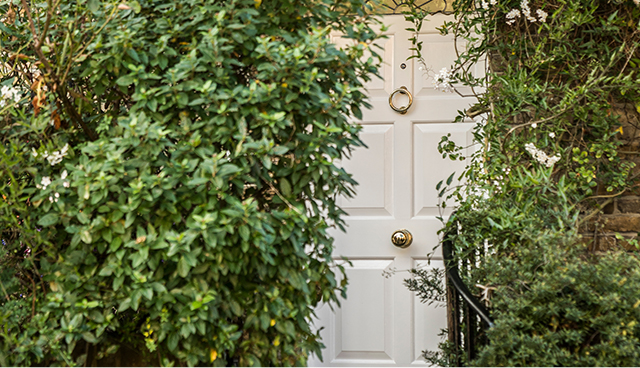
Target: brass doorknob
{"points": [[402, 238]]}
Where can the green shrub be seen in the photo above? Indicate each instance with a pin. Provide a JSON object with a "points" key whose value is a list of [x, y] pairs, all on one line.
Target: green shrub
{"points": [[191, 151], [554, 305]]}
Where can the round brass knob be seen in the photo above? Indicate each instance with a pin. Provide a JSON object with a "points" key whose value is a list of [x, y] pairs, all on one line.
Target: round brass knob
{"points": [[402, 238]]}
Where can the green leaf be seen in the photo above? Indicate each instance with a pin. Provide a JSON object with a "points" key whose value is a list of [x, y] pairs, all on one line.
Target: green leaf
{"points": [[183, 267], [244, 232], [147, 293], [89, 337], [117, 282], [115, 244], [124, 305], [227, 169], [125, 80], [285, 187], [85, 236], [172, 341], [48, 220], [450, 178], [93, 5]]}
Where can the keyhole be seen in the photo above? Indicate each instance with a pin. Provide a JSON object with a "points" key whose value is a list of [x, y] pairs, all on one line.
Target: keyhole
{"points": [[403, 66]]}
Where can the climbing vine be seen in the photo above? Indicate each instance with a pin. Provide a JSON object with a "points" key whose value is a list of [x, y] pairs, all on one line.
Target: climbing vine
{"points": [[556, 147]]}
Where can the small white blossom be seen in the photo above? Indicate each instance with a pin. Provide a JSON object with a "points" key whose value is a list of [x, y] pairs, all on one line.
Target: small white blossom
{"points": [[44, 183], [526, 11], [34, 152], [552, 135], [56, 156], [540, 156], [65, 184], [64, 175], [542, 15], [512, 15], [534, 125], [442, 81], [9, 93]]}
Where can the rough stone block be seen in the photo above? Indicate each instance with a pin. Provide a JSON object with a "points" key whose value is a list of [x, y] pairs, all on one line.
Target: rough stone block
{"points": [[622, 223], [629, 204]]}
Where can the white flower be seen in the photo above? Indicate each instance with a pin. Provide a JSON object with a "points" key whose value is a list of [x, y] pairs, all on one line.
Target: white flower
{"points": [[64, 175], [540, 156], [526, 12], [534, 125], [542, 15], [57, 156], [552, 135], [34, 152], [44, 183], [512, 15], [65, 184], [442, 81], [10, 93]]}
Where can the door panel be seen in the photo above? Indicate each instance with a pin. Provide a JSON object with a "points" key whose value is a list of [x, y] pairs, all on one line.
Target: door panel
{"points": [[382, 323], [375, 198]]}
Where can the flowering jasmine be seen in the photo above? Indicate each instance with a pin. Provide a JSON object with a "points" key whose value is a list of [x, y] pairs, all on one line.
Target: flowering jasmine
{"points": [[44, 183], [56, 156], [542, 15], [443, 81], [512, 15], [9, 93], [540, 156], [526, 12]]}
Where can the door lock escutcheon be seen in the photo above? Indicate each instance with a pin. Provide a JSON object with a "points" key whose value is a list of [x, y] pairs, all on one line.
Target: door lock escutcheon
{"points": [[402, 238]]}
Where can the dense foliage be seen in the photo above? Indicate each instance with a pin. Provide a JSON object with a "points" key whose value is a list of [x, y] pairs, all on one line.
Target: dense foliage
{"points": [[551, 153], [157, 160]]}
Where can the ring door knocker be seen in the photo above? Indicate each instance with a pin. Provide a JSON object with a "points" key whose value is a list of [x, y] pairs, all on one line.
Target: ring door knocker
{"points": [[403, 91]]}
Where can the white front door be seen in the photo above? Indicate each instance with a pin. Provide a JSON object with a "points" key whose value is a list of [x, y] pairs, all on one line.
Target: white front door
{"points": [[381, 323]]}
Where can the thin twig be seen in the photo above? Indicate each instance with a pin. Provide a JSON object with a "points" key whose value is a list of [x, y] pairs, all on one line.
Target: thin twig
{"points": [[281, 197], [594, 212], [58, 87]]}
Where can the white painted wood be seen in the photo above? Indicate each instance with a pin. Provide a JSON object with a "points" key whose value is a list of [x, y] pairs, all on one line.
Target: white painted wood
{"points": [[381, 323]]}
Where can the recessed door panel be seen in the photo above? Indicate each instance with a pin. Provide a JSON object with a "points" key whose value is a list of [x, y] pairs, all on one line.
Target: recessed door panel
{"points": [[376, 180], [430, 167]]}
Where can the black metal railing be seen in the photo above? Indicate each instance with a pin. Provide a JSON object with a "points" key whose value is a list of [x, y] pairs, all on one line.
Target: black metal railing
{"points": [[467, 319]]}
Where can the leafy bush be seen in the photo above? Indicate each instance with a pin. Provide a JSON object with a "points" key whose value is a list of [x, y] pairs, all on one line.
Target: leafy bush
{"points": [[169, 176], [551, 154]]}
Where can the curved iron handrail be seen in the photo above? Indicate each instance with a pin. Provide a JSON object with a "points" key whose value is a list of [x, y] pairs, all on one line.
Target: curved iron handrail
{"points": [[451, 268]]}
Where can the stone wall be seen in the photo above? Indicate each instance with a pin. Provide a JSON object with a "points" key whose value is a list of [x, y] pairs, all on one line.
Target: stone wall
{"points": [[619, 221]]}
